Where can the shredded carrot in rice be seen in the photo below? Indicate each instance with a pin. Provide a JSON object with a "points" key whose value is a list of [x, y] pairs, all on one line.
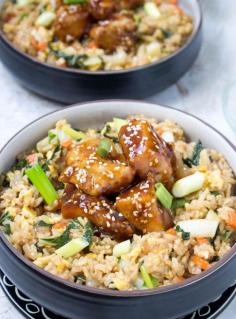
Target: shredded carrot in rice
{"points": [[231, 221], [200, 262], [201, 240]]}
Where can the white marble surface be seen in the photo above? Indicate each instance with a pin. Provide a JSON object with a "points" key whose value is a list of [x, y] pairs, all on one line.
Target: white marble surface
{"points": [[202, 91]]}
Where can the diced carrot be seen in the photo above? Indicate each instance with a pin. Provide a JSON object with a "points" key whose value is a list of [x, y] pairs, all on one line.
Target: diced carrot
{"points": [[171, 231], [200, 262], [59, 225], [179, 10], [31, 158], [158, 2], [201, 240], [231, 221], [174, 2], [66, 144], [92, 45], [39, 46], [42, 46]]}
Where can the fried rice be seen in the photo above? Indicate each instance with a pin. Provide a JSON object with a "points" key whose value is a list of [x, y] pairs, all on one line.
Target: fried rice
{"points": [[167, 256], [154, 36]]}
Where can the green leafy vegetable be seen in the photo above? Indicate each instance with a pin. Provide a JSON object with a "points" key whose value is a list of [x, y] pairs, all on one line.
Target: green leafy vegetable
{"points": [[167, 34], [178, 203], [5, 217], [4, 222], [185, 235], [194, 160], [7, 229], [22, 163], [57, 151], [64, 238], [23, 16], [75, 61], [227, 234], [40, 180], [215, 193], [51, 136], [42, 223], [75, 1]]}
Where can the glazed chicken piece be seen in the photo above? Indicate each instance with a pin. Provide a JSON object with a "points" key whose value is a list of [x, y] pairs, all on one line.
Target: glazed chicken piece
{"points": [[71, 21], [93, 174], [119, 31], [98, 210], [129, 4], [147, 152], [102, 9], [140, 207]]}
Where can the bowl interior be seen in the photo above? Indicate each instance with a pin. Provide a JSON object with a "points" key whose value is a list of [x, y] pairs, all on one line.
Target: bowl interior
{"points": [[193, 8], [95, 114]]}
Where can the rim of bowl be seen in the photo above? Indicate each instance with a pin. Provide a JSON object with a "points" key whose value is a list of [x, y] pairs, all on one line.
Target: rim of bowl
{"points": [[123, 71], [105, 291]]}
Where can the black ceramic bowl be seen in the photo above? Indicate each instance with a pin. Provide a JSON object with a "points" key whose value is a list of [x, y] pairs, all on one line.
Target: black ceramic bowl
{"points": [[81, 302], [71, 86]]}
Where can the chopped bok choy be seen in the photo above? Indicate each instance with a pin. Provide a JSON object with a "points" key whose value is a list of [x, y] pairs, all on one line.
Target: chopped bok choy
{"points": [[199, 227], [152, 10], [46, 19], [75, 135], [111, 129], [188, 184], [72, 248], [122, 248]]}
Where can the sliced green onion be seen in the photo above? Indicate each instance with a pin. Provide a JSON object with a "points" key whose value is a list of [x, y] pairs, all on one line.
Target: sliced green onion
{"points": [[111, 129], [211, 215], [75, 1], [152, 9], [155, 281], [188, 184], [122, 248], [72, 248], [178, 203], [163, 195], [104, 147], [40, 180], [46, 19], [51, 135], [76, 135], [227, 234], [199, 227], [146, 277]]}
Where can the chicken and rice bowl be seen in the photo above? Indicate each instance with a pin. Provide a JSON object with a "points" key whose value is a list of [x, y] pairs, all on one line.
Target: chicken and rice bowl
{"points": [[96, 34], [132, 205]]}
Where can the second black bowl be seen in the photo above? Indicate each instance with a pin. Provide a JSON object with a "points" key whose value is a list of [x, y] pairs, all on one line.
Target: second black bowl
{"points": [[70, 86]]}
